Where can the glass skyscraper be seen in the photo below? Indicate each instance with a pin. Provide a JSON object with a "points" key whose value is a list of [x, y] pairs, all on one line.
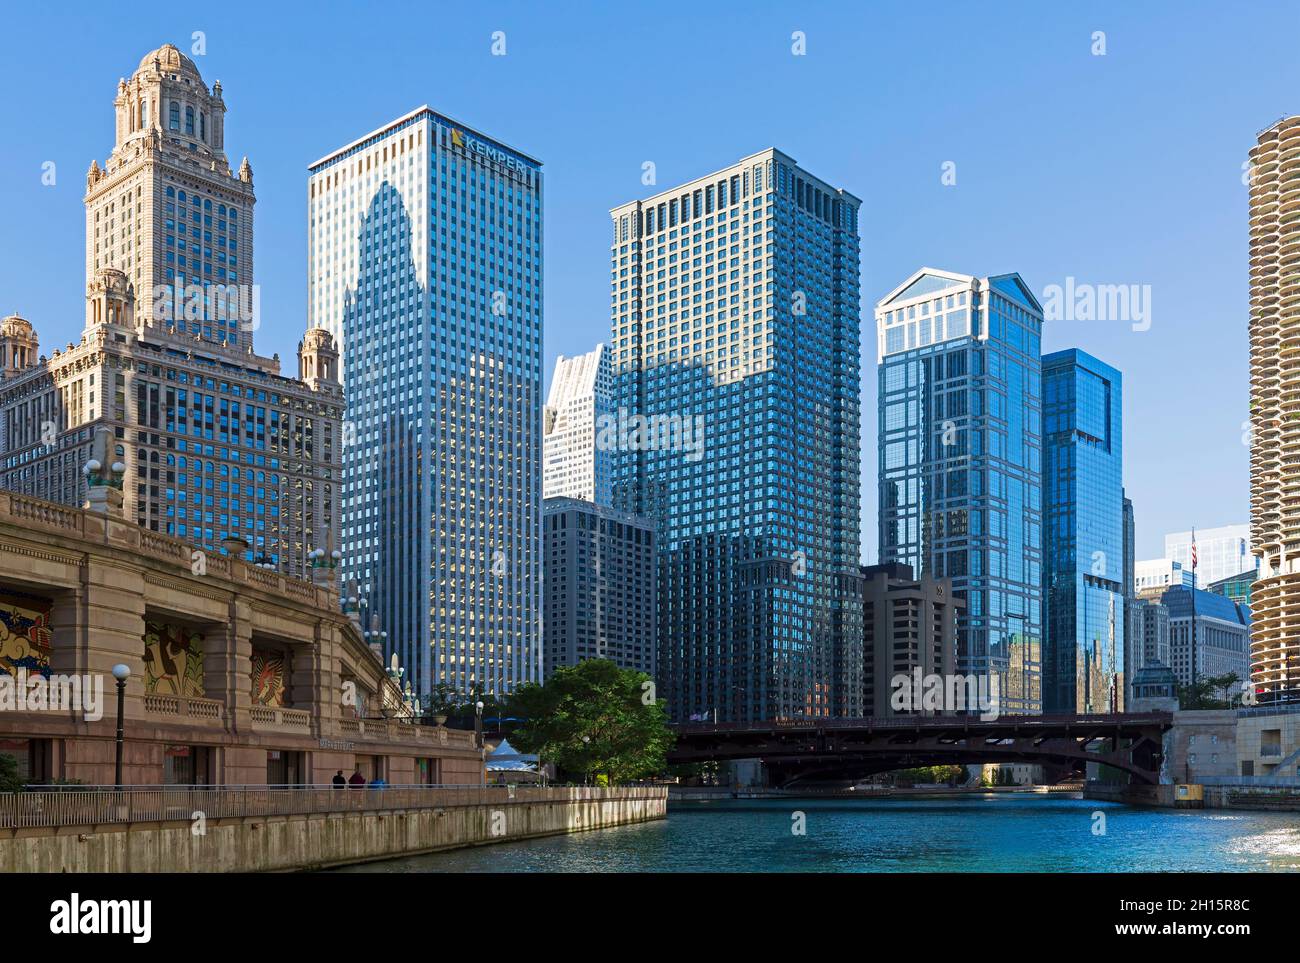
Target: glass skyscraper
{"points": [[735, 349], [960, 461], [425, 261], [1083, 535]]}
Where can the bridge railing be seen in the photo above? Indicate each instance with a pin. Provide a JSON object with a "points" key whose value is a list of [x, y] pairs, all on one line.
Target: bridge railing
{"points": [[937, 721], [87, 805]]}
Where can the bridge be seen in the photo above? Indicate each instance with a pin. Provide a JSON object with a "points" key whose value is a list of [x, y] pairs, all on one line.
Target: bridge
{"points": [[850, 749]]}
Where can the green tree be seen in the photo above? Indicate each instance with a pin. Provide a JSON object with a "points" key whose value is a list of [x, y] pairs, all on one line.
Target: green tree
{"points": [[1211, 692], [441, 700], [9, 778], [931, 774], [596, 719]]}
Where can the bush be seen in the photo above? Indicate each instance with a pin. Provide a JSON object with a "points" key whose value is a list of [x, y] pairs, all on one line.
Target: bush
{"points": [[10, 781]]}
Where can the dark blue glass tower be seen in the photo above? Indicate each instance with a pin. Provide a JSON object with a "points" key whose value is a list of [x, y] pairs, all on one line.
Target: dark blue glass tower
{"points": [[960, 470], [1083, 535]]}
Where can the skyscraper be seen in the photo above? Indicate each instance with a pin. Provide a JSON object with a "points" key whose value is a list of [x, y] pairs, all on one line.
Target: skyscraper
{"points": [[1220, 552], [1134, 657], [960, 461], [1084, 541], [425, 260], [599, 590], [909, 625], [1130, 550], [216, 444], [1274, 406], [735, 343], [575, 465], [195, 260]]}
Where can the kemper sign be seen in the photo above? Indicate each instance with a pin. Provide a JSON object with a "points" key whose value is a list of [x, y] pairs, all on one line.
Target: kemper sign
{"points": [[470, 144]]}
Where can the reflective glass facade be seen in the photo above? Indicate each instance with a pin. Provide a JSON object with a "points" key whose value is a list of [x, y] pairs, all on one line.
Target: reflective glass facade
{"points": [[735, 323], [1083, 535], [960, 461], [426, 261]]}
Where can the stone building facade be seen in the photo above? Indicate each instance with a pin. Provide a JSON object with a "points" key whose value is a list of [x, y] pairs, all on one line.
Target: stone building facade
{"points": [[216, 442], [238, 675]]}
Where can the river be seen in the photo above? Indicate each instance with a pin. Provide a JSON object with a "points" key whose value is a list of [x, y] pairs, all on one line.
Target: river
{"points": [[985, 833]]}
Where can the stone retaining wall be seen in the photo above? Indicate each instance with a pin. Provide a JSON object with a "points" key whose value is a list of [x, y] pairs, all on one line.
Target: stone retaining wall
{"points": [[280, 843]]}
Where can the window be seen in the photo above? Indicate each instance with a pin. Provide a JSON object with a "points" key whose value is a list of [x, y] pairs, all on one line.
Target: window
{"points": [[189, 120], [174, 116]]}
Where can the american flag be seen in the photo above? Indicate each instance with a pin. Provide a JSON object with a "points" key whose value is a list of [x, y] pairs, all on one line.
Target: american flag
{"points": [[1193, 550]]}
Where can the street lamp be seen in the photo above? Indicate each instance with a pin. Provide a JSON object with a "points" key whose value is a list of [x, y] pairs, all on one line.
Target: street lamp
{"points": [[478, 738], [121, 672]]}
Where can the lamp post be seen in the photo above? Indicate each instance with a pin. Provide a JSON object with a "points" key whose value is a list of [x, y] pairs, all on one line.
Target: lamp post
{"points": [[121, 672], [478, 738]]}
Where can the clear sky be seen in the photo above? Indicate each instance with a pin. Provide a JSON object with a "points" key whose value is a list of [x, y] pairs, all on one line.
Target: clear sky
{"points": [[1124, 168]]}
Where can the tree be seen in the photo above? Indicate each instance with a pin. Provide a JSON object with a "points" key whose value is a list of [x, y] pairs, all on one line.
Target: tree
{"points": [[596, 719], [10, 781], [931, 775], [442, 700], [1211, 692]]}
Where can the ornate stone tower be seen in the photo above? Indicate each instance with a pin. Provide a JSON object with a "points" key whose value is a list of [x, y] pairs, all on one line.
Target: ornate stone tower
{"points": [[18, 346], [110, 299], [165, 209], [318, 358]]}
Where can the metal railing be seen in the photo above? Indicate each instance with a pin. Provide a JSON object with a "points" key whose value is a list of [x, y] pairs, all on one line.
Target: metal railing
{"points": [[947, 720], [94, 805], [1251, 782]]}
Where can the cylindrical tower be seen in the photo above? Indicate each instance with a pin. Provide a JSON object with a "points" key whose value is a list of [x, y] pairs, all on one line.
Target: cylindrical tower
{"points": [[1274, 178]]}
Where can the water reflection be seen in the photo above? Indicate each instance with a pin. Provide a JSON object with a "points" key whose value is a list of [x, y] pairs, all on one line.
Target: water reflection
{"points": [[992, 833]]}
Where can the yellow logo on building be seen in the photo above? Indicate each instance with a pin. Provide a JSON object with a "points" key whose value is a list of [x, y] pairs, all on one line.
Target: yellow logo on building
{"points": [[457, 138]]}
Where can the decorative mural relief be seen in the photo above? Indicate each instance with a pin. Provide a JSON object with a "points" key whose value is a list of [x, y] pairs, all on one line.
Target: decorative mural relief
{"points": [[268, 677], [25, 637], [173, 660]]}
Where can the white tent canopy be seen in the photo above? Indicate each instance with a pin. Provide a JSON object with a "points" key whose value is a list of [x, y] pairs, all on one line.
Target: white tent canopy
{"points": [[505, 758]]}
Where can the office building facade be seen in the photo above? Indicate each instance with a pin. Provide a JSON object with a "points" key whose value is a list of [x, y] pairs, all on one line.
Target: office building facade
{"points": [[215, 442], [599, 595], [909, 624], [1236, 587], [1152, 576], [960, 408], [1222, 636], [1220, 552], [576, 455], [1084, 543], [735, 351], [1147, 635], [425, 261]]}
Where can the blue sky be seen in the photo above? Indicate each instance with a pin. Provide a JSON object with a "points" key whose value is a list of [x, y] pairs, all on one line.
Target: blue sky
{"points": [[1117, 169]]}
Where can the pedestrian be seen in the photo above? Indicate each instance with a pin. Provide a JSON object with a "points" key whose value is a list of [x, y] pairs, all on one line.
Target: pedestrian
{"points": [[357, 781], [339, 781]]}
